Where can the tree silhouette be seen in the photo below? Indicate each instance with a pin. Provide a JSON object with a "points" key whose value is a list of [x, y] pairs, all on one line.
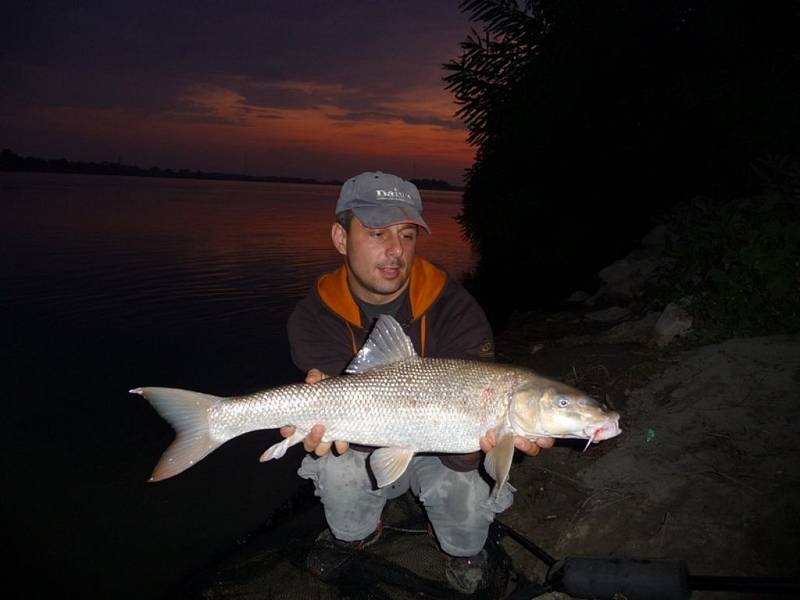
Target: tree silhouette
{"points": [[592, 117]]}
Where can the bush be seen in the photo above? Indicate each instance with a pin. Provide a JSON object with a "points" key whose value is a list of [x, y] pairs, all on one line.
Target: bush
{"points": [[740, 261]]}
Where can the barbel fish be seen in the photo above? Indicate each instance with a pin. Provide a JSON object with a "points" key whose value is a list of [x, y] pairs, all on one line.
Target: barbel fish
{"points": [[394, 400]]}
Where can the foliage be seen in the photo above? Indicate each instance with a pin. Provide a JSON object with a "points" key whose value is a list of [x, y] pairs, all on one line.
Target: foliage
{"points": [[494, 60], [592, 117], [739, 261]]}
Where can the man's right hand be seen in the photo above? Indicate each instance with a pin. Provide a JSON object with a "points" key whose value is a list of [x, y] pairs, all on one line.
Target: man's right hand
{"points": [[315, 376], [313, 440], [529, 447]]}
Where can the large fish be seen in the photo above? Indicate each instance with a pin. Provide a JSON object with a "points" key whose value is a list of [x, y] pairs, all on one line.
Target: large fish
{"points": [[392, 399]]}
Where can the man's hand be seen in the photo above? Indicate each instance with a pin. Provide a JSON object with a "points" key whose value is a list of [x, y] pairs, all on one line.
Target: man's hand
{"points": [[313, 441], [315, 376], [529, 447]]}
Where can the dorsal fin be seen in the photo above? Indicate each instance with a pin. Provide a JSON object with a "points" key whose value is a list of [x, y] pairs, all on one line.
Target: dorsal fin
{"points": [[386, 344]]}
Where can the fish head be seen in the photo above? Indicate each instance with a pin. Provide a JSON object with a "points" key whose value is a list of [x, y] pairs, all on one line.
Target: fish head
{"points": [[544, 408]]}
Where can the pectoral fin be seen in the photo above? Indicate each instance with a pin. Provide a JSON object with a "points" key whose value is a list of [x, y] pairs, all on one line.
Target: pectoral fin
{"points": [[498, 459], [279, 449], [388, 464]]}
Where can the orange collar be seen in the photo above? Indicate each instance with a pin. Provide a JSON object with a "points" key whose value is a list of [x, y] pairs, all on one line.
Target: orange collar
{"points": [[426, 283]]}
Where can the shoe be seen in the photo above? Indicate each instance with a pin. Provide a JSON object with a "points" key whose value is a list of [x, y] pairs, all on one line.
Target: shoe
{"points": [[329, 556], [468, 574]]}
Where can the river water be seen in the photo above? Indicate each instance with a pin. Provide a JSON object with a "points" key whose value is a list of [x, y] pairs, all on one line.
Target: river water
{"points": [[109, 283]]}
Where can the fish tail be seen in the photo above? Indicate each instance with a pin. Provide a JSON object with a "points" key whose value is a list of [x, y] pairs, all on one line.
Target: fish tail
{"points": [[187, 413]]}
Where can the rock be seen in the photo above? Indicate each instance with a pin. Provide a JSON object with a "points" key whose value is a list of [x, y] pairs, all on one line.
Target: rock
{"points": [[616, 272], [578, 297], [673, 322], [639, 330], [656, 239], [607, 315], [626, 277]]}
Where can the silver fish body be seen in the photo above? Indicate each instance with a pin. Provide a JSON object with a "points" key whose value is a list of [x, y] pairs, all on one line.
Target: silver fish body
{"points": [[427, 405], [394, 400]]}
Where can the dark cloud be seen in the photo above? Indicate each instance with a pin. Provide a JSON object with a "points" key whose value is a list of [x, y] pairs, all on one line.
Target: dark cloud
{"points": [[416, 119], [389, 44], [358, 99], [284, 94], [31, 86]]}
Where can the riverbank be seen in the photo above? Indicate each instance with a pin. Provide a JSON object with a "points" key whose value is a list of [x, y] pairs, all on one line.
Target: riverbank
{"points": [[10, 161], [703, 471]]}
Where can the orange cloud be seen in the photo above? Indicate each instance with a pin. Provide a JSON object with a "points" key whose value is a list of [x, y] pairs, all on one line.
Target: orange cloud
{"points": [[416, 127]]}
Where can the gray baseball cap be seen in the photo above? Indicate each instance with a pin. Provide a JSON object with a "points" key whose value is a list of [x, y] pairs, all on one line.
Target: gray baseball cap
{"points": [[380, 199]]}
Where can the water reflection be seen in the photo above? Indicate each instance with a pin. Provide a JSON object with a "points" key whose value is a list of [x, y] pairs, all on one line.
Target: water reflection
{"points": [[73, 243]]}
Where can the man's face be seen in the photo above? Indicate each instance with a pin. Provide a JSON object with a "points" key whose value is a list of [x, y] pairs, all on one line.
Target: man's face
{"points": [[379, 259]]}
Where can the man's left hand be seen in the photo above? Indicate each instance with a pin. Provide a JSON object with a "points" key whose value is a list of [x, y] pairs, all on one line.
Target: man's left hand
{"points": [[313, 441], [529, 447]]}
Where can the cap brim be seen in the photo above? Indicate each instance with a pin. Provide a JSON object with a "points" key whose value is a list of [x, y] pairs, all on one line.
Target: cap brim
{"points": [[384, 216]]}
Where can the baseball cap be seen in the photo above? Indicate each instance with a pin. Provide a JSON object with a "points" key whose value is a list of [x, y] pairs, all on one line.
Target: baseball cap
{"points": [[381, 199]]}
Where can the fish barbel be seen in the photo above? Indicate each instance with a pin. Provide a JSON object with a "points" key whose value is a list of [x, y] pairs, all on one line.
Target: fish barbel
{"points": [[394, 400]]}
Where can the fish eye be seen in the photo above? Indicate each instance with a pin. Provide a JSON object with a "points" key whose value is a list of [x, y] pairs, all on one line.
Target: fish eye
{"points": [[563, 402]]}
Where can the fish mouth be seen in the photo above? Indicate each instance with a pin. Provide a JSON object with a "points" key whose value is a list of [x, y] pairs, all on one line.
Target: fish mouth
{"points": [[606, 430]]}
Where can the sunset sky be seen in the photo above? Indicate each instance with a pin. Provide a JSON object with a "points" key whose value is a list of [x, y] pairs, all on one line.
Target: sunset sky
{"points": [[291, 88]]}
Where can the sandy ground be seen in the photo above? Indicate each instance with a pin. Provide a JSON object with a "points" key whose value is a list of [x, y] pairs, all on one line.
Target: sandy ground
{"points": [[704, 470]]}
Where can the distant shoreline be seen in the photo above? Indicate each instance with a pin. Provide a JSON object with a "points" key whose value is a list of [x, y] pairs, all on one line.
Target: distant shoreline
{"points": [[10, 161]]}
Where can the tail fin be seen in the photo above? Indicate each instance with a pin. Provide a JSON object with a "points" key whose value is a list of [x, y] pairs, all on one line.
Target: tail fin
{"points": [[187, 412]]}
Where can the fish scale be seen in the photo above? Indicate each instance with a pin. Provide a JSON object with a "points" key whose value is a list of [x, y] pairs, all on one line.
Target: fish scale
{"points": [[425, 404]]}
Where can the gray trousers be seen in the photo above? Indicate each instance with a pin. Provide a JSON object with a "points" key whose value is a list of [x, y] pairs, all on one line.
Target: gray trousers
{"points": [[459, 505]]}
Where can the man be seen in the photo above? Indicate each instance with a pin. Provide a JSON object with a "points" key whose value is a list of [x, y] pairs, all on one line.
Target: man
{"points": [[378, 219]]}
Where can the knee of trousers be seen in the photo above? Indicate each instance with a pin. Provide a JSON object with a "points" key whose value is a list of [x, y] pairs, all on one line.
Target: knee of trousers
{"points": [[352, 508], [461, 508]]}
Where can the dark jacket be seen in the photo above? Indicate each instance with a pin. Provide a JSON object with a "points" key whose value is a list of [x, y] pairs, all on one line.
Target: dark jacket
{"points": [[327, 328]]}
